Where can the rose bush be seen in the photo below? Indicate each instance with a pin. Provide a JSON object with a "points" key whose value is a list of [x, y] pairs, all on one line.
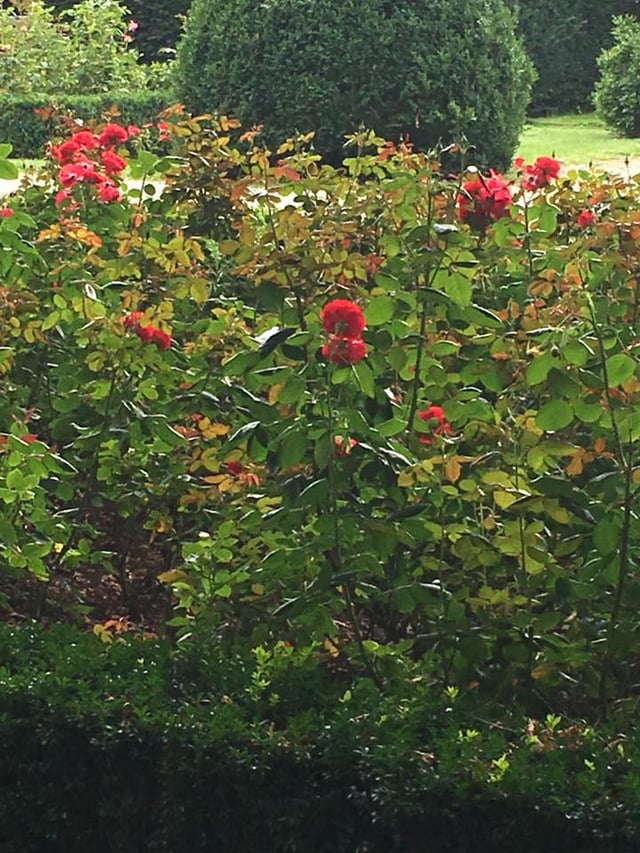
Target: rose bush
{"points": [[389, 415]]}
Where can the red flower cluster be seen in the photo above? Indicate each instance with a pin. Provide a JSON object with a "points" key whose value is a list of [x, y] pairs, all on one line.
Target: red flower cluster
{"points": [[242, 473], [586, 218], [148, 333], [442, 426], [344, 321], [540, 174], [90, 159], [484, 199]]}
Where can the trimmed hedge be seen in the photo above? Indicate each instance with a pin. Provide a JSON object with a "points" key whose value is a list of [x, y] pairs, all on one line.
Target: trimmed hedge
{"points": [[29, 132], [617, 93], [179, 752], [437, 71], [564, 38]]}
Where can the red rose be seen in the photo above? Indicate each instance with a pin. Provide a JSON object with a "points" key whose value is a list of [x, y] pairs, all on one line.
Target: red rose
{"points": [[343, 317], [441, 424], [6, 211], [235, 468], [341, 350], [112, 162], [161, 339], [67, 152], [145, 333], [539, 175], [112, 135], [484, 199], [164, 130], [586, 218], [109, 192], [132, 319], [85, 139]]}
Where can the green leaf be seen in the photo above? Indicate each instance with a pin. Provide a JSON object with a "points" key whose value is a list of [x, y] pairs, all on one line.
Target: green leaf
{"points": [[239, 363], [620, 368], [587, 412], [606, 536], [8, 170], [5, 150], [392, 427], [199, 290], [379, 310], [8, 534], [161, 429], [576, 353], [458, 287], [294, 447], [365, 378], [548, 219], [538, 369], [554, 415]]}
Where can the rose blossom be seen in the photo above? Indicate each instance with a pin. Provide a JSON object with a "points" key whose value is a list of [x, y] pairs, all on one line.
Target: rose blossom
{"points": [[342, 350], [586, 218], [343, 317], [484, 199], [442, 425]]}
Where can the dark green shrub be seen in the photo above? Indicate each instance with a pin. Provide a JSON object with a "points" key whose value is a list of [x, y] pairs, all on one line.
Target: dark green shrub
{"points": [[27, 122], [617, 93], [433, 70], [107, 741], [563, 38]]}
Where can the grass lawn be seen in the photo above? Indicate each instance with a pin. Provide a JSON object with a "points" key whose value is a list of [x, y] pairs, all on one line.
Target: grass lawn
{"points": [[576, 139]]}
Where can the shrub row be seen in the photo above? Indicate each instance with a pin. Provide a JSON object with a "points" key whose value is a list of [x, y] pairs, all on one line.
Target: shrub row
{"points": [[28, 123], [117, 741], [564, 38], [436, 72]]}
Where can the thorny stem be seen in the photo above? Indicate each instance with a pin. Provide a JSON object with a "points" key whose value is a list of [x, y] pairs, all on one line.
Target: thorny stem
{"points": [[84, 503], [335, 557], [626, 463]]}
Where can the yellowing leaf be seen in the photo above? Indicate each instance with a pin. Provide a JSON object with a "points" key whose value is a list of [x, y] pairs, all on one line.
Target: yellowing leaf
{"points": [[102, 633], [172, 576], [452, 469], [505, 499], [406, 478], [599, 445], [331, 645]]}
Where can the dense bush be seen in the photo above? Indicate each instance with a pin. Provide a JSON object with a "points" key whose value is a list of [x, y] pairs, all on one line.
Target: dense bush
{"points": [[28, 122], [106, 741], [617, 93], [433, 71], [564, 38]]}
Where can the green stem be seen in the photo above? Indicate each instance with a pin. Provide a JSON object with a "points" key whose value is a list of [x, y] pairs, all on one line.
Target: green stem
{"points": [[336, 557]]}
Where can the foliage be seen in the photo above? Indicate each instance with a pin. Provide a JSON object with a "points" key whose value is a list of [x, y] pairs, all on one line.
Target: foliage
{"points": [[463, 73], [159, 25], [375, 431], [564, 39], [617, 93], [446, 494], [84, 52], [27, 122], [150, 751]]}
